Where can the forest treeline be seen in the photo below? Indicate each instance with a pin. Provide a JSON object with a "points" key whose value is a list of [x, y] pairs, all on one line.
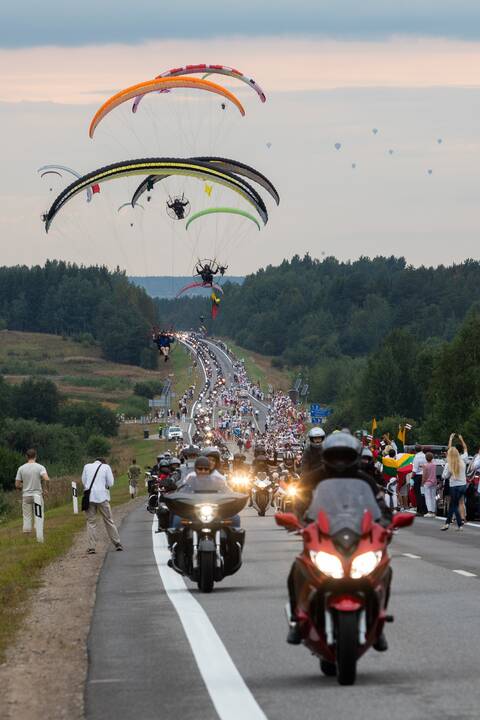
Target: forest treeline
{"points": [[83, 302], [375, 337]]}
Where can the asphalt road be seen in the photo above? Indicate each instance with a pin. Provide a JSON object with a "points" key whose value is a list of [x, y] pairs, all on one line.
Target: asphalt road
{"points": [[153, 639]]}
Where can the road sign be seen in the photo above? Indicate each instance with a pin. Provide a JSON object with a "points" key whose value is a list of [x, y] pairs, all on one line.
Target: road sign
{"points": [[319, 413], [158, 402]]}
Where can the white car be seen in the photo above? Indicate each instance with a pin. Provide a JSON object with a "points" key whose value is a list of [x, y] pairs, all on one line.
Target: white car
{"points": [[174, 433]]}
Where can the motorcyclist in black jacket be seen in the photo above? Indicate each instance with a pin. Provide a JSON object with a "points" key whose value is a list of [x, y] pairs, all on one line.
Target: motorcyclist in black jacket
{"points": [[311, 462], [341, 458]]}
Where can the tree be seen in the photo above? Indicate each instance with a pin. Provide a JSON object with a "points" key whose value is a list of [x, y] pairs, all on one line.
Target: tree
{"points": [[36, 400]]}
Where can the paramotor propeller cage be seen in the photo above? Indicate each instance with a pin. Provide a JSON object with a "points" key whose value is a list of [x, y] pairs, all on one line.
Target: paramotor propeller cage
{"points": [[178, 208]]}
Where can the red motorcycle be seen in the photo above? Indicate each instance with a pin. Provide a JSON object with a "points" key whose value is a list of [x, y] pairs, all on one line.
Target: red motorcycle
{"points": [[341, 580]]}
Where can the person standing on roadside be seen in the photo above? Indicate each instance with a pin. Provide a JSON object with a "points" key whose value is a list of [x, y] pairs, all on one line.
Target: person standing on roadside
{"points": [[98, 478], [31, 479], [134, 473], [417, 474], [463, 452], [455, 472], [429, 482]]}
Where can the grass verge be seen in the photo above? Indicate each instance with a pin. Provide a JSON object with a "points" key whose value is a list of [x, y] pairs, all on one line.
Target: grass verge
{"points": [[22, 559]]}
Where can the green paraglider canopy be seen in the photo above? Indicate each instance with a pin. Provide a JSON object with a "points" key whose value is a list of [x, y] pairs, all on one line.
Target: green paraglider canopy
{"points": [[227, 210]]}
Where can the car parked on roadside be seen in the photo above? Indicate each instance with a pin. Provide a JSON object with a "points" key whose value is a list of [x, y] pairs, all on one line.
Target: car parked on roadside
{"points": [[174, 433]]}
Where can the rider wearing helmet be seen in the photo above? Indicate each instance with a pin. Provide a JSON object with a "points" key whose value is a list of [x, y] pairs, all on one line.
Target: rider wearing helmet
{"points": [[215, 459], [238, 464], [188, 454], [175, 469], [341, 458], [311, 464], [312, 454]]}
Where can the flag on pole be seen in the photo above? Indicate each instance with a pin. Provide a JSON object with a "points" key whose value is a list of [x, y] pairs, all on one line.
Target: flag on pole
{"points": [[401, 438], [374, 425]]}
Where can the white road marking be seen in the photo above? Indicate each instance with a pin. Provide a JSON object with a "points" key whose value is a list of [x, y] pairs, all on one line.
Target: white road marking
{"points": [[414, 557], [465, 573], [227, 689], [106, 680]]}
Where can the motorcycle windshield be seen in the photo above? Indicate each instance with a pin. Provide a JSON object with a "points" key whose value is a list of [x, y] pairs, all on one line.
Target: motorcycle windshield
{"points": [[344, 500]]}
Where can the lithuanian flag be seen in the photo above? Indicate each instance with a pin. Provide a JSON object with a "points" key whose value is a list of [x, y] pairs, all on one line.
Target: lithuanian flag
{"points": [[403, 463]]}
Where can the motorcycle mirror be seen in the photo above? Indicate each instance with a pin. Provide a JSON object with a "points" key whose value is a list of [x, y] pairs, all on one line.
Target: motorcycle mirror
{"points": [[288, 521], [402, 520], [323, 523]]}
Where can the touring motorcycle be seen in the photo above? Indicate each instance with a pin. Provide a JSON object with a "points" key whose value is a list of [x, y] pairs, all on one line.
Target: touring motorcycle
{"points": [[341, 579], [206, 547]]}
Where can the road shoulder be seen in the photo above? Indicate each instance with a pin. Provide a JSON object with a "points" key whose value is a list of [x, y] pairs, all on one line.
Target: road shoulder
{"points": [[50, 651]]}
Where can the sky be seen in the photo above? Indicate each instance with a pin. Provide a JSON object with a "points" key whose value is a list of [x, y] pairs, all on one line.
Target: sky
{"points": [[332, 73]]}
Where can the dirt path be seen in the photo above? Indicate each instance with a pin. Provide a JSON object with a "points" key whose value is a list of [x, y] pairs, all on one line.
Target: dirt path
{"points": [[45, 670]]}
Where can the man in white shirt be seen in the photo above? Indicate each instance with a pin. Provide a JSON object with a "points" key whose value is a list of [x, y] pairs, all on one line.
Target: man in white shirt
{"points": [[31, 479], [99, 502]]}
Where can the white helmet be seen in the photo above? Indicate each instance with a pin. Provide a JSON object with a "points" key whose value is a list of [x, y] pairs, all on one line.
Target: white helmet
{"points": [[316, 432]]}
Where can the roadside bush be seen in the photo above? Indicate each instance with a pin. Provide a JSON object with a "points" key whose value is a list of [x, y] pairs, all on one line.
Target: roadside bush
{"points": [[134, 407], [91, 418], [97, 446], [10, 461], [148, 389]]}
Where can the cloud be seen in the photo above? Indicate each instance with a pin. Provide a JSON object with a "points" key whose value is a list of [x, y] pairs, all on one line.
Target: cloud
{"points": [[29, 23], [81, 75]]}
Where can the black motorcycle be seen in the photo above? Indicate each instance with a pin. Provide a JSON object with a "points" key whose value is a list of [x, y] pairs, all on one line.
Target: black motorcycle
{"points": [[156, 504], [207, 547]]}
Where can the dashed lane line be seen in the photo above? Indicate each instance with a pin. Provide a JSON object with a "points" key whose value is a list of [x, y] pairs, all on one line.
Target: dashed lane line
{"points": [[227, 689], [464, 573]]}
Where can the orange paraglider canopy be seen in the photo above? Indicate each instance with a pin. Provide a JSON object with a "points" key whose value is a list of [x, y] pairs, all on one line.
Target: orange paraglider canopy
{"points": [[159, 84]]}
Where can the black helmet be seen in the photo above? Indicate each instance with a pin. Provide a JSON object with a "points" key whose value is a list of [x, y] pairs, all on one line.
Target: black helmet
{"points": [[202, 462], [341, 453]]}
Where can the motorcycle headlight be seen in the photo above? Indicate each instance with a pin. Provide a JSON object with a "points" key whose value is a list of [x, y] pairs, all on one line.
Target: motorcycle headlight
{"points": [[364, 564], [292, 490], [328, 564], [206, 513]]}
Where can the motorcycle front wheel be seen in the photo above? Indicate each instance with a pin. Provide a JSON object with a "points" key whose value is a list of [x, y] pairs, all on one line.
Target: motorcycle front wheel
{"points": [[206, 569], [347, 641]]}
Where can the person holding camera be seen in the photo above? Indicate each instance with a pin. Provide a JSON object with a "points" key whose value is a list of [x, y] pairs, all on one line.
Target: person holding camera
{"points": [[97, 479]]}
